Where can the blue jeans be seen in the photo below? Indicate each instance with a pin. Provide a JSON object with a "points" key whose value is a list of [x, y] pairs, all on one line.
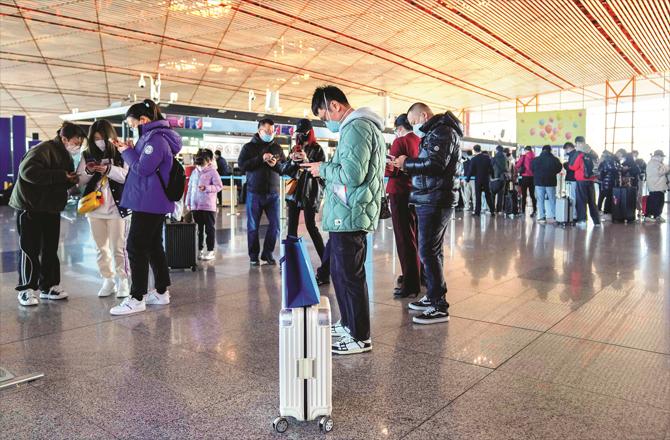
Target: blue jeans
{"points": [[433, 222], [256, 205], [546, 194]]}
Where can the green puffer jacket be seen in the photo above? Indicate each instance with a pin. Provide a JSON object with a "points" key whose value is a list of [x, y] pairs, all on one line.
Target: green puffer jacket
{"points": [[355, 175]]}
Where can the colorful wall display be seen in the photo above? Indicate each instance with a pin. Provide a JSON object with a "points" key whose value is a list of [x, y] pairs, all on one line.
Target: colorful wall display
{"points": [[552, 127]]}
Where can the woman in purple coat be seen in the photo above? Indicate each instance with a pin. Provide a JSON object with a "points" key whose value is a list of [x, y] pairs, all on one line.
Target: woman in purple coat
{"points": [[149, 164]]}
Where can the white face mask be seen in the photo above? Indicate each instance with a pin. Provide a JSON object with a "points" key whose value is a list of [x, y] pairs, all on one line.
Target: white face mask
{"points": [[73, 149], [200, 167], [101, 144]]}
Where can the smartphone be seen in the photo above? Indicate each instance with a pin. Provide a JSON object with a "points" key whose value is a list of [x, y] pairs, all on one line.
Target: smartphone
{"points": [[390, 158]]}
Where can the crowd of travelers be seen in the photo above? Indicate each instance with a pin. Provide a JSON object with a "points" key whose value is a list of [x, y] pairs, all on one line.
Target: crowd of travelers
{"points": [[430, 175]]}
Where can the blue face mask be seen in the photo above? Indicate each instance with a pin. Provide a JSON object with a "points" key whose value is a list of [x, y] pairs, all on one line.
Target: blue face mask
{"points": [[267, 137], [416, 128], [333, 126]]}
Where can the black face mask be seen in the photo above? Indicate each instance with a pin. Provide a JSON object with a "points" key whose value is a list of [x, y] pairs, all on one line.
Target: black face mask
{"points": [[301, 138]]}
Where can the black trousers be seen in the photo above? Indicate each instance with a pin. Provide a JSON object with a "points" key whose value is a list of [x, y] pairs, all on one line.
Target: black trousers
{"points": [[406, 239], [323, 272], [205, 221], [586, 197], [655, 203], [310, 223], [527, 189], [145, 248], [485, 187], [433, 222], [39, 234], [347, 266]]}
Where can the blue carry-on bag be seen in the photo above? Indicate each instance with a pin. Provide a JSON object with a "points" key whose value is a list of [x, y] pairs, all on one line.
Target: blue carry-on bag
{"points": [[299, 287]]}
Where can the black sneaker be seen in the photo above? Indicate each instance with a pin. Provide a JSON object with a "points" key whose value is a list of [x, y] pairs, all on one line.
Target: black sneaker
{"points": [[270, 261], [421, 305], [255, 263], [399, 293], [348, 345], [432, 316]]}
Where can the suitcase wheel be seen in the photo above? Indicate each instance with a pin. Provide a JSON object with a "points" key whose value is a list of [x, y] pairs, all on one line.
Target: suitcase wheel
{"points": [[326, 424], [194, 268], [280, 425]]}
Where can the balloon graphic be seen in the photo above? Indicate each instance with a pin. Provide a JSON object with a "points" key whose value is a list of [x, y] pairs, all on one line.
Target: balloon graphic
{"points": [[555, 130], [551, 119], [553, 137], [548, 128], [533, 132], [568, 135], [541, 121], [575, 125], [580, 114], [542, 134]]}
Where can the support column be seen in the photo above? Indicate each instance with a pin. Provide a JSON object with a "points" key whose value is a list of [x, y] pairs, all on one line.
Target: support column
{"points": [[5, 151], [18, 141]]}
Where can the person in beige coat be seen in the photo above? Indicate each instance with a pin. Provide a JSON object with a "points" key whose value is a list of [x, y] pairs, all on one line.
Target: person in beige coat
{"points": [[102, 168], [657, 181]]}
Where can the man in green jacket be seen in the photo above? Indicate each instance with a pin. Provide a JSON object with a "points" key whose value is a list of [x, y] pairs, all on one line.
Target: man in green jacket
{"points": [[354, 185], [40, 194]]}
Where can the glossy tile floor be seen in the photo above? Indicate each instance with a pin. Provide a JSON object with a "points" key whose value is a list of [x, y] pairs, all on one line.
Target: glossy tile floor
{"points": [[555, 334]]}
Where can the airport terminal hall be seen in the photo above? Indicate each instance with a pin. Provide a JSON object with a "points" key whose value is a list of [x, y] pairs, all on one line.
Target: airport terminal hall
{"points": [[344, 219]]}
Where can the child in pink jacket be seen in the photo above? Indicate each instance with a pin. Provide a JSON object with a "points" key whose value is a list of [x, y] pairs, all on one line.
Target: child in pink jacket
{"points": [[203, 186]]}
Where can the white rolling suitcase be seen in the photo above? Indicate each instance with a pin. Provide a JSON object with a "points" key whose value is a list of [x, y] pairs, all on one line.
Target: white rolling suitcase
{"points": [[305, 366]]}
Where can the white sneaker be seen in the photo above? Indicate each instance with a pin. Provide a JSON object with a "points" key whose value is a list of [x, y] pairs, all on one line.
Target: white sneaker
{"points": [[337, 330], [208, 256], [28, 298], [128, 306], [348, 345], [123, 289], [581, 224], [107, 288], [201, 254], [55, 293], [660, 219], [154, 298]]}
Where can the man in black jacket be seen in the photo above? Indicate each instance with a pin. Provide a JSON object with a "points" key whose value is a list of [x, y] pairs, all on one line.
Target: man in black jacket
{"points": [[40, 194], [224, 170], [545, 168], [434, 195], [481, 168], [260, 159], [500, 171]]}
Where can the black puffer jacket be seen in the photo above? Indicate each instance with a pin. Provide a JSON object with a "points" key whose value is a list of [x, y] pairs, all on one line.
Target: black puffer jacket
{"points": [[261, 178], [545, 168], [435, 170], [42, 181], [609, 173], [309, 190], [569, 174]]}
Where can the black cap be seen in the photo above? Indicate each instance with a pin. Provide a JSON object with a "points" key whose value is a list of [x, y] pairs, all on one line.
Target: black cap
{"points": [[303, 126], [659, 153], [580, 139]]}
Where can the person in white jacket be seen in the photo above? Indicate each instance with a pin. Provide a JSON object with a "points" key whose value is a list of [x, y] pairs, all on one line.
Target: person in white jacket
{"points": [[658, 175], [102, 168]]}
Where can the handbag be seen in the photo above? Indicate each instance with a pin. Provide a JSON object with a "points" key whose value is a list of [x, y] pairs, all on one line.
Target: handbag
{"points": [[93, 200], [291, 186], [385, 211], [299, 287]]}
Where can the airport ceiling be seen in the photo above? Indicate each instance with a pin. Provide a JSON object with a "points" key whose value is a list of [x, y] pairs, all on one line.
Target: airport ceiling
{"points": [[60, 55]]}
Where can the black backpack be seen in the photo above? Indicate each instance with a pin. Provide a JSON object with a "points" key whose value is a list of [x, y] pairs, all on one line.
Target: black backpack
{"points": [[174, 190], [590, 169]]}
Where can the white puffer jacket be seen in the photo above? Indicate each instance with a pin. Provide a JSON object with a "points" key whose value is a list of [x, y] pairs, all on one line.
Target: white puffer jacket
{"points": [[657, 174]]}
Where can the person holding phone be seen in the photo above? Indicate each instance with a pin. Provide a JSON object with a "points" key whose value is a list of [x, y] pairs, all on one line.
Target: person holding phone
{"points": [[149, 164], [45, 175], [403, 214], [260, 159], [102, 169], [307, 192]]}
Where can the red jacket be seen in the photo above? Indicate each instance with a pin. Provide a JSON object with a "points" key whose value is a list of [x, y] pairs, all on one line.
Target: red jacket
{"points": [[399, 182], [578, 168], [527, 161]]}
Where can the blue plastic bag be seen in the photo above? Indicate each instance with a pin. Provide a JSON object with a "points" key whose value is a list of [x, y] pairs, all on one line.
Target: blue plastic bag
{"points": [[299, 287]]}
